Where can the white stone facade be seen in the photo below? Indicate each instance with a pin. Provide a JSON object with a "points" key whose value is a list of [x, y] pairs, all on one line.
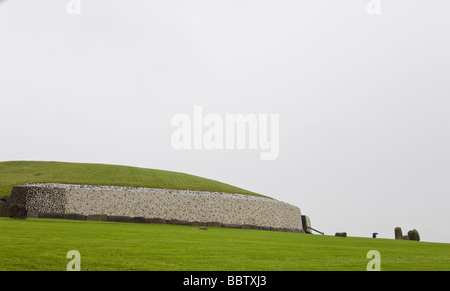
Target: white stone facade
{"points": [[186, 205]]}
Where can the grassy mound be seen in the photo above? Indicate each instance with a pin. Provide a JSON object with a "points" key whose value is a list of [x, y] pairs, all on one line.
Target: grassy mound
{"points": [[21, 172]]}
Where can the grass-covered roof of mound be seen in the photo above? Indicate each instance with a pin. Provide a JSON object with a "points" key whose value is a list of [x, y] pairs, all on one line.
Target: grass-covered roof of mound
{"points": [[16, 173]]}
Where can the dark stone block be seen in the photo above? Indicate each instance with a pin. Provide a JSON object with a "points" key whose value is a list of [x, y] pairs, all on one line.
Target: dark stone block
{"points": [[51, 215], [186, 223], [3, 210], [179, 222], [173, 221], [231, 225], [118, 218], [284, 229], [265, 228], [75, 216], [18, 195], [140, 220], [157, 220], [398, 233], [306, 224], [97, 217], [249, 226], [342, 234], [17, 211], [214, 224], [413, 235]]}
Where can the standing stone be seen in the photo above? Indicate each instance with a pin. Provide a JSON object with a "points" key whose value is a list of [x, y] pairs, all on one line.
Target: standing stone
{"points": [[413, 235], [306, 224], [398, 233]]}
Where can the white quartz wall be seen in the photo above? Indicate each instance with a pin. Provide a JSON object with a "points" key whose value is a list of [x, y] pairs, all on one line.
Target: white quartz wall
{"points": [[183, 205]]}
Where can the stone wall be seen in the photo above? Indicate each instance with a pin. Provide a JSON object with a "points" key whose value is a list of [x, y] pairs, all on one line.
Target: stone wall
{"points": [[183, 205], [3, 209]]}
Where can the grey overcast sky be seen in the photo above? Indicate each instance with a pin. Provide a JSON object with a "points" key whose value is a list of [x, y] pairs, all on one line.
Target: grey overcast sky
{"points": [[363, 99]]}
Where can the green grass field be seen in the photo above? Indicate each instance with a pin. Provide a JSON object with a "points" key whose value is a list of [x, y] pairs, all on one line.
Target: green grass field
{"points": [[42, 244], [21, 172]]}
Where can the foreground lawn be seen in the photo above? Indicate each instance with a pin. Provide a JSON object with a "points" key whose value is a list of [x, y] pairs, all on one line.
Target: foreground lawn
{"points": [[42, 244]]}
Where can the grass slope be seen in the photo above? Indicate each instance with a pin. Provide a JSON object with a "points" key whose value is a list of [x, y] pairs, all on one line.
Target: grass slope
{"points": [[22, 172], [42, 244]]}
